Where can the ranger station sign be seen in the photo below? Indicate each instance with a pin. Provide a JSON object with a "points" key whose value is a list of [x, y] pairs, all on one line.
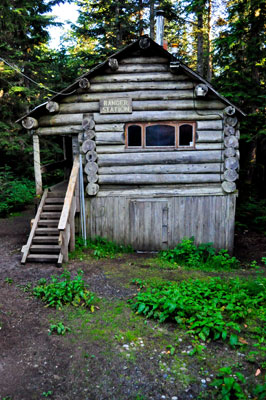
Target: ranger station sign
{"points": [[116, 105]]}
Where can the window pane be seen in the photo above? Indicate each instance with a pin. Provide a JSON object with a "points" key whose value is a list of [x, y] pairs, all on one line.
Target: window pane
{"points": [[134, 135], [160, 135], [185, 135]]}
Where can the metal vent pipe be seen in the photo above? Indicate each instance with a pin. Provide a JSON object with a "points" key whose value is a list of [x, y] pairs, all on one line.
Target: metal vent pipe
{"points": [[159, 27]]}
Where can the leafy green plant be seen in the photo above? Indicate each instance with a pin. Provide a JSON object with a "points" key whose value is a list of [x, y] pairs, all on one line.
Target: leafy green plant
{"points": [[101, 248], [9, 281], [228, 386], [59, 329], [64, 290], [188, 254], [14, 192], [209, 310], [260, 390]]}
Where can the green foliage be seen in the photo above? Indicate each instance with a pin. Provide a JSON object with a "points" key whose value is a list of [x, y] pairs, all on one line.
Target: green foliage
{"points": [[64, 290], [59, 329], [260, 391], [228, 386], [251, 214], [47, 394], [14, 193], [9, 281], [212, 309], [101, 248], [188, 254]]}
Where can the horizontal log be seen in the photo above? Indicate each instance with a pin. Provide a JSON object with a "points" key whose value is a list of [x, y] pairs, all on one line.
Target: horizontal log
{"points": [[144, 60], [230, 175], [110, 149], [113, 64], [121, 86], [92, 189], [91, 156], [232, 121], [29, 123], [229, 152], [52, 106], [231, 163], [92, 177], [229, 130], [230, 110], [60, 130], [146, 158], [134, 95], [209, 146], [88, 145], [164, 191], [209, 125], [231, 141], [209, 136], [146, 105], [128, 68], [229, 187], [142, 77], [61, 119], [109, 127], [110, 138], [91, 167], [152, 116], [146, 179], [163, 169]]}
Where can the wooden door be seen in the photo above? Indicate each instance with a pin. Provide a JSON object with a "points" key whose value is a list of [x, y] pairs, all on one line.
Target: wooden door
{"points": [[148, 224]]}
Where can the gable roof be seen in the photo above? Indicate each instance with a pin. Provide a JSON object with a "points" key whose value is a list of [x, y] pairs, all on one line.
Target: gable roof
{"points": [[153, 49]]}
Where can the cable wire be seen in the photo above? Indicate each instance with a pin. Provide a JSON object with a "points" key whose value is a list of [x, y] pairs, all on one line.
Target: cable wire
{"points": [[33, 81]]}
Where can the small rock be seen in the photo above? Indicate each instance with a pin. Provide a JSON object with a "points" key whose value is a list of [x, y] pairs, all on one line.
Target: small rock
{"points": [[174, 398], [203, 381], [165, 376], [163, 397]]}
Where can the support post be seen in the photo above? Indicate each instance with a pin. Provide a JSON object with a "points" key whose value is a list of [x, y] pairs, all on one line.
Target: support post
{"points": [[37, 164]]}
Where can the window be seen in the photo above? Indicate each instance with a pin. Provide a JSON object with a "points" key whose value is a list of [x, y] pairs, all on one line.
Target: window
{"points": [[163, 135]]}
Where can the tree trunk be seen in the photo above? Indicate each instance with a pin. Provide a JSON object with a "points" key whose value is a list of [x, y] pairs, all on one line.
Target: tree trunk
{"points": [[209, 42], [200, 41]]}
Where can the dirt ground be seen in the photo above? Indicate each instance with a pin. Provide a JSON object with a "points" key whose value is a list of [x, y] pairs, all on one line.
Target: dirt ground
{"points": [[103, 357]]}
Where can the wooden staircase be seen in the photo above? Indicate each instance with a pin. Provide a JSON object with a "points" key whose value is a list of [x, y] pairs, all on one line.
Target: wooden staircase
{"points": [[53, 228]]}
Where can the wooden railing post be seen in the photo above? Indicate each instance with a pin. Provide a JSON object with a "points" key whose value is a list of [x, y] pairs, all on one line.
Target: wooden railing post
{"points": [[72, 224]]}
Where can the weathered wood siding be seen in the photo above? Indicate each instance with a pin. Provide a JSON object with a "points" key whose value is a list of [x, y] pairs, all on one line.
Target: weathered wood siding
{"points": [[158, 223]]}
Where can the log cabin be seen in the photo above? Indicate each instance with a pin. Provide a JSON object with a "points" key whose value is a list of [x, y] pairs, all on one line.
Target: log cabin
{"points": [[154, 153]]}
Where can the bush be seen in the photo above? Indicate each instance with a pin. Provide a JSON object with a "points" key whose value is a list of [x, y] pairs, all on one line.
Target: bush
{"points": [[64, 290], [188, 254], [14, 193], [208, 309]]}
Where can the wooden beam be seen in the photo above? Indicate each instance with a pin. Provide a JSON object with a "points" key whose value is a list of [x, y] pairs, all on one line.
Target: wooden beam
{"points": [[37, 164], [52, 106], [30, 123], [139, 77]]}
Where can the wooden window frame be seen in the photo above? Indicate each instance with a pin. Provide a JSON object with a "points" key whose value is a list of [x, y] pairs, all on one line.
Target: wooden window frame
{"points": [[176, 125]]}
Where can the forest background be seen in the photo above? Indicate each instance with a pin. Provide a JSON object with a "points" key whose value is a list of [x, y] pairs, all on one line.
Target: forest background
{"points": [[224, 40]]}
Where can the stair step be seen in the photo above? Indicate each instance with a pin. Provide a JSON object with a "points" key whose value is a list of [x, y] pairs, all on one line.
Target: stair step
{"points": [[54, 200], [50, 215], [42, 258], [46, 239], [47, 231], [48, 222], [45, 248], [56, 194], [53, 207]]}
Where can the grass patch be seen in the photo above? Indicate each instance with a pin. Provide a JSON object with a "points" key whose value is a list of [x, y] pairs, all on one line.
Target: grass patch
{"points": [[100, 248]]}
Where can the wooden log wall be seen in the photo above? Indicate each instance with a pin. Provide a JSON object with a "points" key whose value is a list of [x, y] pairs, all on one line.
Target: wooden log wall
{"points": [[158, 223], [157, 95]]}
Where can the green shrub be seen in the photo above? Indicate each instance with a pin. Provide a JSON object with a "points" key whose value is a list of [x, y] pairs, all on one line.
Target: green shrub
{"points": [[210, 309], [14, 193], [188, 254], [64, 290], [228, 385]]}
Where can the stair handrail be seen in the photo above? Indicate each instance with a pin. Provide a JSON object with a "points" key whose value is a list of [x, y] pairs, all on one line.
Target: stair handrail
{"points": [[66, 225], [26, 248]]}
